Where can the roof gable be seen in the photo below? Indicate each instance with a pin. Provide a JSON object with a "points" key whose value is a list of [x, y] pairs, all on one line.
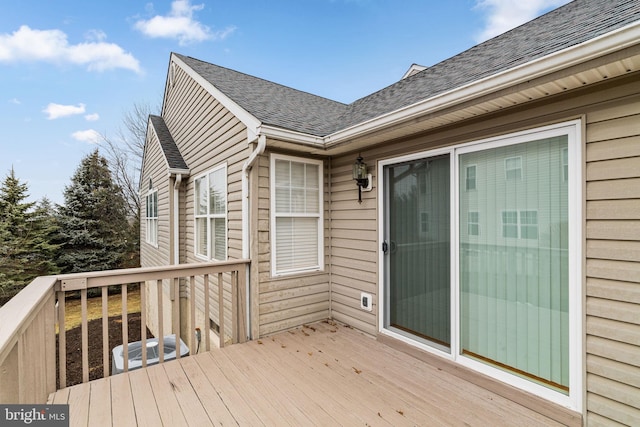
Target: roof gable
{"points": [[271, 103]]}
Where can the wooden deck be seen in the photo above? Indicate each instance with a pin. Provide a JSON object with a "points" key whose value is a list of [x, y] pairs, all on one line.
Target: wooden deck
{"points": [[324, 374]]}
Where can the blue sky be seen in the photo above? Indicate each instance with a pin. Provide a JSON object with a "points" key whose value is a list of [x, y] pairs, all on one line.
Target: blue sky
{"points": [[71, 69]]}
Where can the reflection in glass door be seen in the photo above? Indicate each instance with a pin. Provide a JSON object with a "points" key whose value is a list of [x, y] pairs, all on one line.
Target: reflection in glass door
{"points": [[417, 243]]}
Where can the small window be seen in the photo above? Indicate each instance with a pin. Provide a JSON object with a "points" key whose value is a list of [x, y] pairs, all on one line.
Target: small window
{"points": [[529, 225], [424, 222], [151, 217], [510, 224], [470, 177], [473, 223], [513, 168], [211, 214]]}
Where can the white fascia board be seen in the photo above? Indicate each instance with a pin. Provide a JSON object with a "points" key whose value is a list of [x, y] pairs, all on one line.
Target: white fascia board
{"points": [[248, 119], [607, 43], [291, 136], [174, 171]]}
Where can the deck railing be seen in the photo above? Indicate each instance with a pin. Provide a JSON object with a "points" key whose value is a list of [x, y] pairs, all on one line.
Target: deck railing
{"points": [[28, 359]]}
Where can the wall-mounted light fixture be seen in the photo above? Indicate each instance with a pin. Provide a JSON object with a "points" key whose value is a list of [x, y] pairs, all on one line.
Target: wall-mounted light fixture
{"points": [[362, 178]]}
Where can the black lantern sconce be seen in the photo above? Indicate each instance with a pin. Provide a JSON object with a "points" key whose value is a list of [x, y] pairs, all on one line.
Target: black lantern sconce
{"points": [[362, 178]]}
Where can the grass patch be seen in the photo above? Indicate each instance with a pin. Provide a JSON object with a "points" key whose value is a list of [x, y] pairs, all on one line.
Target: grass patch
{"points": [[73, 307]]}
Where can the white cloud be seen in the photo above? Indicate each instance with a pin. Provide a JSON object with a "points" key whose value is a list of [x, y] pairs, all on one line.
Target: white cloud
{"points": [[503, 15], [89, 136], [180, 24], [15, 101], [55, 111], [92, 117], [27, 44]]}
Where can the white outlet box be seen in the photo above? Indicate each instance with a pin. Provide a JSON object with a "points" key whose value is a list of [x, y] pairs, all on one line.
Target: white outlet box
{"points": [[366, 301]]}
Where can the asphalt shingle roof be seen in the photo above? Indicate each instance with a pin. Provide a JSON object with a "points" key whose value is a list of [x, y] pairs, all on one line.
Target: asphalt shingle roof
{"points": [[281, 106], [168, 145]]}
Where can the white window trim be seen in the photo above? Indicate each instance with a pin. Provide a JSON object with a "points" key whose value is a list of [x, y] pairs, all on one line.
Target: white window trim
{"points": [[151, 220], [273, 215], [466, 177], [573, 129], [470, 223], [507, 170], [209, 254]]}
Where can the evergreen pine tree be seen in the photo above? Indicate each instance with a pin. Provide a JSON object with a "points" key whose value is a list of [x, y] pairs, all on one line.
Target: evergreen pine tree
{"points": [[45, 226], [25, 238], [93, 221]]}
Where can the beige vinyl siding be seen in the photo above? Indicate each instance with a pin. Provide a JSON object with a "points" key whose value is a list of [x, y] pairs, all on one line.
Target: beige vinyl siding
{"points": [[613, 262], [207, 135], [288, 301], [354, 248], [611, 114], [155, 168]]}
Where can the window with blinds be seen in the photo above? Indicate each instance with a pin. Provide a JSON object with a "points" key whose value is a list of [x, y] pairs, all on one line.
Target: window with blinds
{"points": [[211, 214], [296, 215]]}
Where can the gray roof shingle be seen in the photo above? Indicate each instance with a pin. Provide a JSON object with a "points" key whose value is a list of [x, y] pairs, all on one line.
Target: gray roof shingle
{"points": [[271, 103], [281, 106], [168, 145]]}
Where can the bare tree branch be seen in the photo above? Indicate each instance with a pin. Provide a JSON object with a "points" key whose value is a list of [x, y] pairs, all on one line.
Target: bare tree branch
{"points": [[124, 153]]}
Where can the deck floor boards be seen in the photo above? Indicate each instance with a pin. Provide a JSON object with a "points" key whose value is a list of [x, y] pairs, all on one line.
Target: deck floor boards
{"points": [[323, 374]]}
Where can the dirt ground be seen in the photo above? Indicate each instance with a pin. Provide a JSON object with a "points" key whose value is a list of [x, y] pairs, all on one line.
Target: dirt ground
{"points": [[74, 345]]}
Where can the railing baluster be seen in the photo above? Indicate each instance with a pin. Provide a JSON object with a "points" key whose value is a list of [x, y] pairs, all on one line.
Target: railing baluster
{"points": [[160, 321], [221, 308], [105, 331], [62, 340], [234, 304], [241, 307], [176, 304], [85, 337], [207, 314], [143, 321], [125, 329], [192, 311]]}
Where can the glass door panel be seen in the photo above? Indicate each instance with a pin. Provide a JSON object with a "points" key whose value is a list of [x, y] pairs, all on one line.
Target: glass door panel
{"points": [[514, 292], [417, 206]]}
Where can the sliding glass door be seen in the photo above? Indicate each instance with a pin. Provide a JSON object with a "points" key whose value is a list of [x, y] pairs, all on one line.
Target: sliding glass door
{"points": [[418, 246], [481, 261]]}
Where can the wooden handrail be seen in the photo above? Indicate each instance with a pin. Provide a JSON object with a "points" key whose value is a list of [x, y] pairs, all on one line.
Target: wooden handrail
{"points": [[28, 321], [27, 344]]}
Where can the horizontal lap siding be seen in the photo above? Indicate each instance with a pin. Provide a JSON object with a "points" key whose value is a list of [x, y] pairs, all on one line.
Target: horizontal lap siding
{"points": [[289, 301], [613, 263], [154, 168], [612, 227], [207, 135]]}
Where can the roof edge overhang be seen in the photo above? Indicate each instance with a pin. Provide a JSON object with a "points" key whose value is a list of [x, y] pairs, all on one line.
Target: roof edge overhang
{"points": [[248, 119], [286, 135], [174, 171], [598, 47], [605, 44]]}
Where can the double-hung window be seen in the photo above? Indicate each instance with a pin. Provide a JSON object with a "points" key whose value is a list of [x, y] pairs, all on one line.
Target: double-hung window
{"points": [[151, 218], [296, 215], [211, 214]]}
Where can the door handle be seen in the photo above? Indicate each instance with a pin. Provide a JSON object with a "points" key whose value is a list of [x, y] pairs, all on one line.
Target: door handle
{"points": [[385, 247]]}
